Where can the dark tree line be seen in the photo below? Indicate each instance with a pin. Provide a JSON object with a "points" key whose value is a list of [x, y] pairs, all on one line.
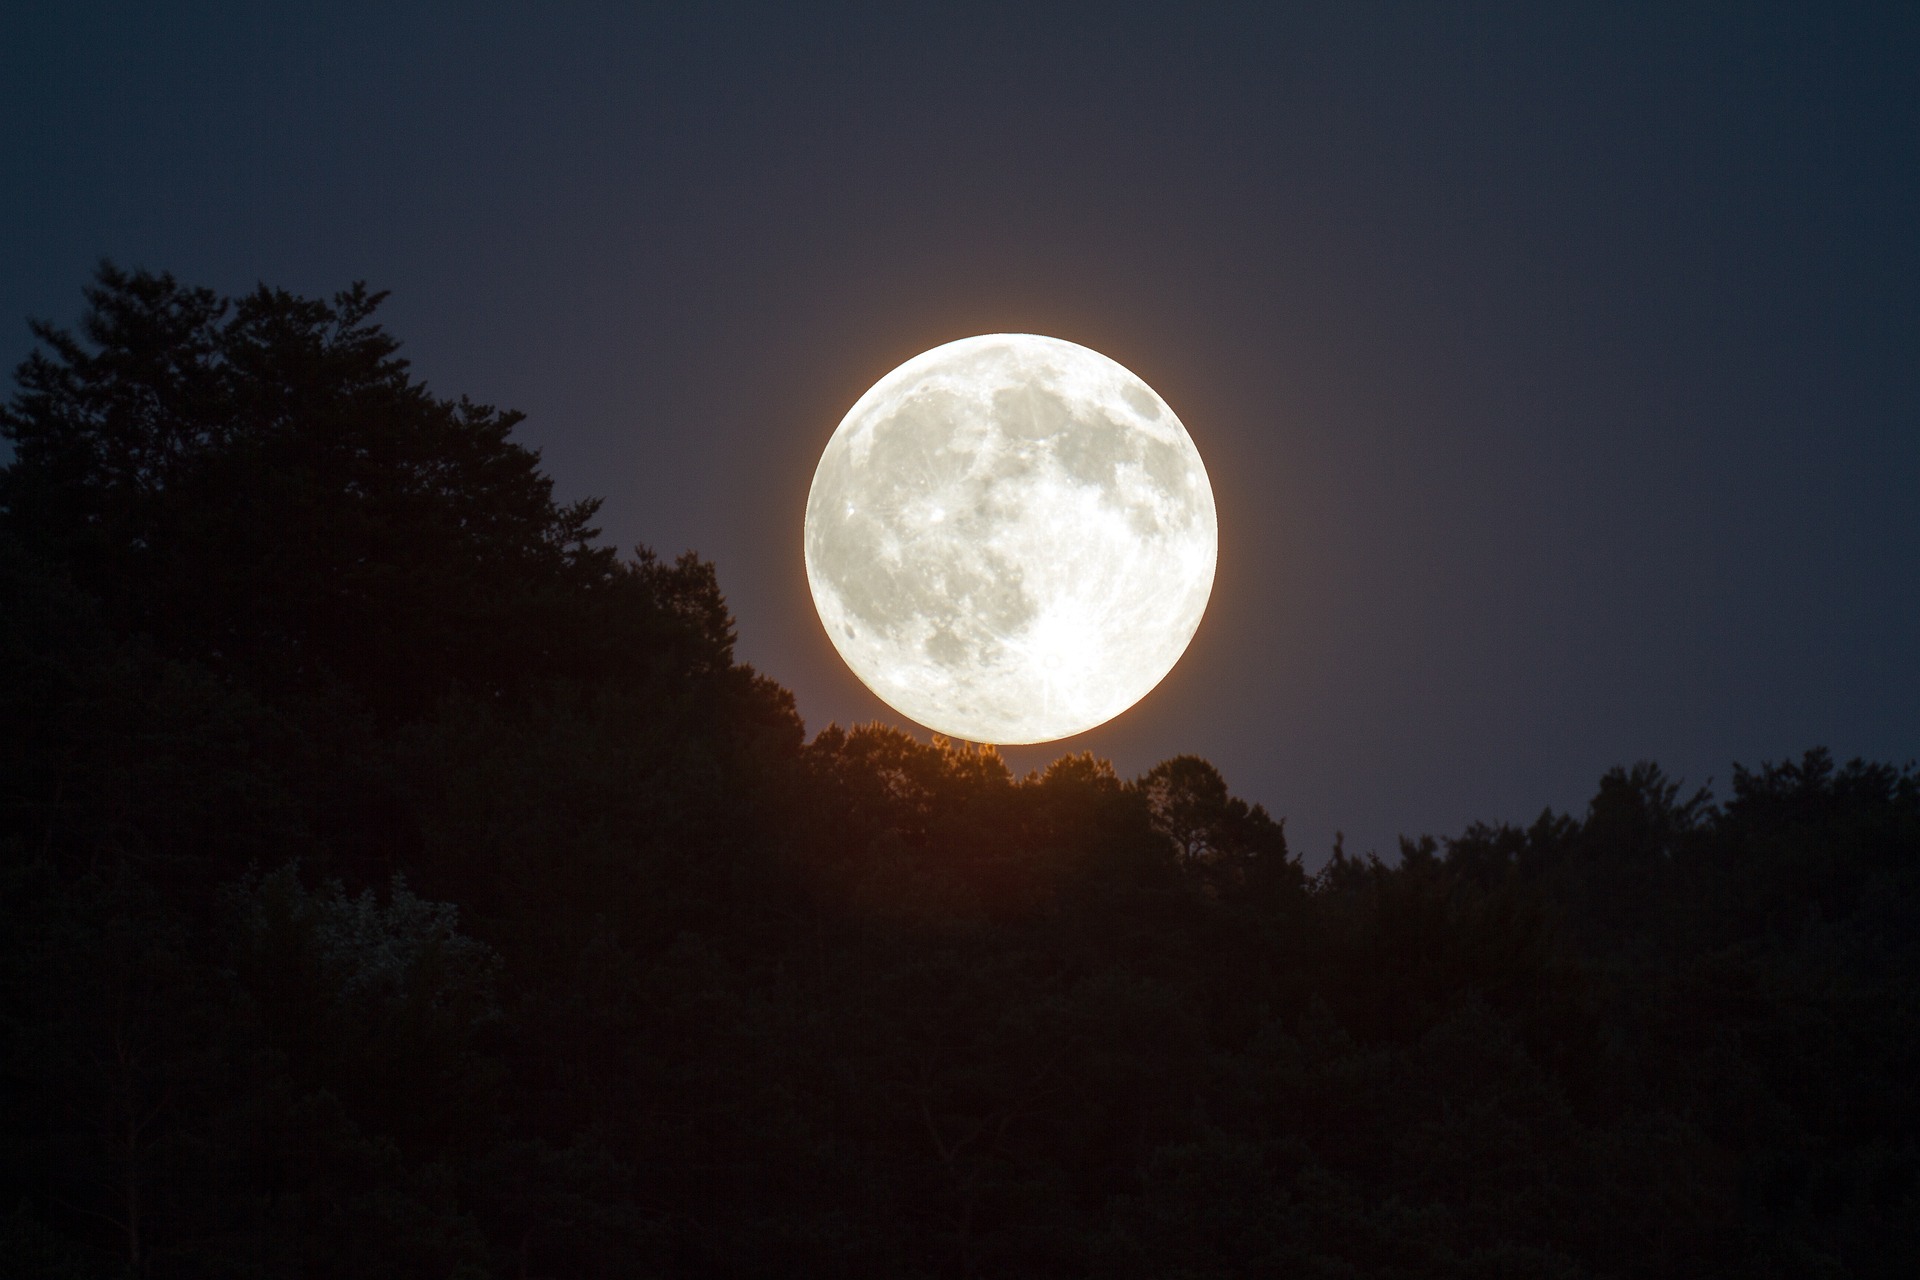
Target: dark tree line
{"points": [[394, 882]]}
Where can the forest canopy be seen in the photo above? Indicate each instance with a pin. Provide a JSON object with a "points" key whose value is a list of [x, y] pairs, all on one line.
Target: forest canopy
{"points": [[395, 881]]}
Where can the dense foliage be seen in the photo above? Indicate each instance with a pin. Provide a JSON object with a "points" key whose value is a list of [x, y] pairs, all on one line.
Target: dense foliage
{"points": [[393, 883]]}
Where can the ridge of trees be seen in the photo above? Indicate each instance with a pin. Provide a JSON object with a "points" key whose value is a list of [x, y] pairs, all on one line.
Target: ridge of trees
{"points": [[393, 881]]}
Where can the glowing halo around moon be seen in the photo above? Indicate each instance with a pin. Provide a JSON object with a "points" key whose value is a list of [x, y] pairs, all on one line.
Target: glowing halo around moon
{"points": [[1010, 539]]}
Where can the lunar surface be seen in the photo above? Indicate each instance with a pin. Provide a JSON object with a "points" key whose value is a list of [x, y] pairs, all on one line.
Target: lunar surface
{"points": [[1010, 539]]}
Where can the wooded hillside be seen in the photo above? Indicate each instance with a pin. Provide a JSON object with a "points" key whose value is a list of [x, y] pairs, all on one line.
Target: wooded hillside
{"points": [[396, 882]]}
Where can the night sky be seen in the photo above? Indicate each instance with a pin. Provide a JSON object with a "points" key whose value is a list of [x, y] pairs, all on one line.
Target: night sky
{"points": [[1557, 368]]}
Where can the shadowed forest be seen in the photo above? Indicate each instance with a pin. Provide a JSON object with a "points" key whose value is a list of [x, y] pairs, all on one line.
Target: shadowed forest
{"points": [[395, 882]]}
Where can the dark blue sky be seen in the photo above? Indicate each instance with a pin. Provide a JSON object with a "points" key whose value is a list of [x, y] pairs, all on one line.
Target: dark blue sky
{"points": [[1558, 367]]}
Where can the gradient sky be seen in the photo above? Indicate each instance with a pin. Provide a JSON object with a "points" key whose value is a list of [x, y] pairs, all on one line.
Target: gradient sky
{"points": [[1557, 367]]}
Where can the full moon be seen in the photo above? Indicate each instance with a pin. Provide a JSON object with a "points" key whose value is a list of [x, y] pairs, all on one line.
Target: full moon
{"points": [[1010, 539]]}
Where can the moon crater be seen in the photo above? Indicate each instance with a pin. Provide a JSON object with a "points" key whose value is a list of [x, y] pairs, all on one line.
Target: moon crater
{"points": [[1010, 538]]}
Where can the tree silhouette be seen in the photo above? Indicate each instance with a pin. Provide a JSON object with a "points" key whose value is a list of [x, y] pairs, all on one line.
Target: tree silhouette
{"points": [[395, 883], [260, 485]]}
